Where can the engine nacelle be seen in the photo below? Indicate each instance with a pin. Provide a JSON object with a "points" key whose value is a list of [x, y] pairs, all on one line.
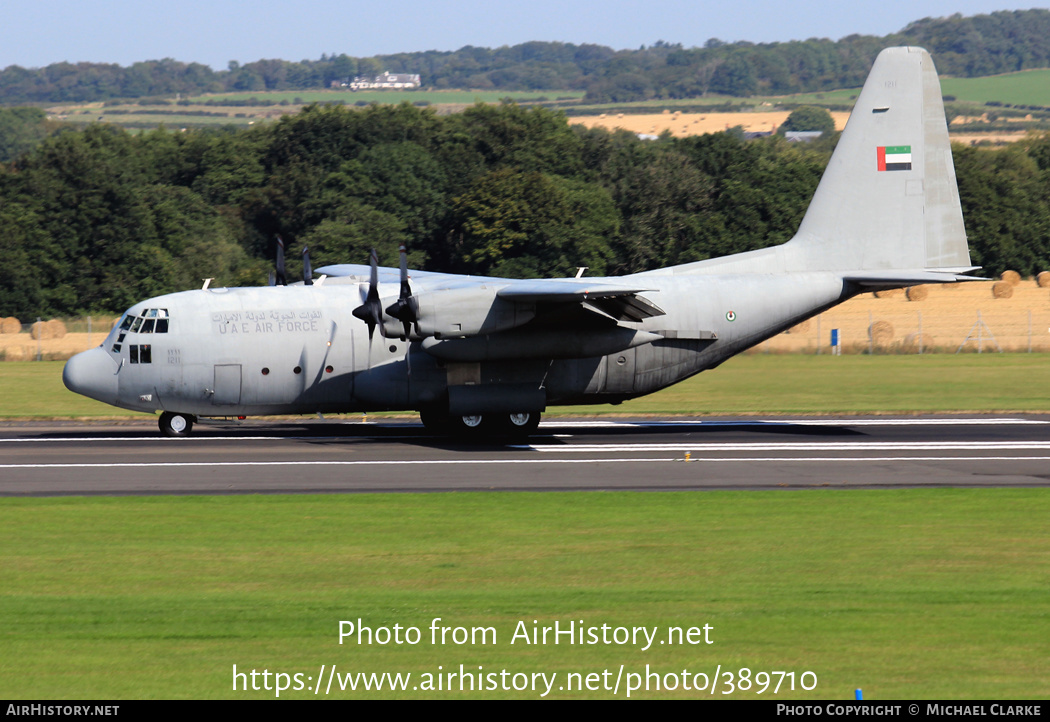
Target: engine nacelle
{"points": [[469, 311]]}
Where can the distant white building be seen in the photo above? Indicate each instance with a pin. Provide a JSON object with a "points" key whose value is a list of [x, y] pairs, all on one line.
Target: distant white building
{"points": [[400, 81]]}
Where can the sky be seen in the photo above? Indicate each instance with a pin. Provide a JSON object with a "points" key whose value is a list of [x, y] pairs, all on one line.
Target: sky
{"points": [[36, 33]]}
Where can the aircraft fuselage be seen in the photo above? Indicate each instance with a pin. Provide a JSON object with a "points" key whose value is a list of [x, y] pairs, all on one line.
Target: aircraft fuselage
{"points": [[299, 349]]}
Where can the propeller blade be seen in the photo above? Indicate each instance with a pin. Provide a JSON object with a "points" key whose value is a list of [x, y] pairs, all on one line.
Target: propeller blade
{"points": [[406, 308], [308, 271], [371, 311], [280, 278]]}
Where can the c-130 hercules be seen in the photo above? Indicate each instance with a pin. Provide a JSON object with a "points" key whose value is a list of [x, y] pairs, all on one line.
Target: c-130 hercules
{"points": [[476, 354]]}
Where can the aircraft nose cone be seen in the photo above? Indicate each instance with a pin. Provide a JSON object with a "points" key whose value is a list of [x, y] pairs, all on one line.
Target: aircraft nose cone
{"points": [[92, 373]]}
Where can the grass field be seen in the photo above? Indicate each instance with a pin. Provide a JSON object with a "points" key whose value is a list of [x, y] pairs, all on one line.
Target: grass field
{"points": [[434, 97], [1029, 87], [754, 383], [905, 594], [1025, 88]]}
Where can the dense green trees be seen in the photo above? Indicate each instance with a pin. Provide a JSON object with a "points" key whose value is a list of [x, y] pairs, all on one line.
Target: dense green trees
{"points": [[21, 129], [981, 45], [98, 218], [808, 117]]}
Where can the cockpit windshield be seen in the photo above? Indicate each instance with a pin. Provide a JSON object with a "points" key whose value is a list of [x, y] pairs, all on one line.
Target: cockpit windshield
{"points": [[148, 320]]}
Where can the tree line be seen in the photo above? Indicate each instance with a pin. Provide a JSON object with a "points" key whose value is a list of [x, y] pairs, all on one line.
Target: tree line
{"points": [[98, 218], [999, 42]]}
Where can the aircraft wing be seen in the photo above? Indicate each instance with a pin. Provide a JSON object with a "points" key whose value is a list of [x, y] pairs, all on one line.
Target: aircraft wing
{"points": [[618, 302]]}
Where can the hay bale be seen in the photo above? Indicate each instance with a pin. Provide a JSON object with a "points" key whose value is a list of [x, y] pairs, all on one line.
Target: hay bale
{"points": [[911, 342], [799, 327], [1002, 289], [1011, 277], [10, 325], [888, 293], [58, 329], [14, 353], [880, 332], [40, 331], [1043, 279], [917, 293]]}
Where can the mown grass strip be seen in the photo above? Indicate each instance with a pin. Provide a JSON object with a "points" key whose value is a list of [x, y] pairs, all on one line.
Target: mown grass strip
{"points": [[904, 593]]}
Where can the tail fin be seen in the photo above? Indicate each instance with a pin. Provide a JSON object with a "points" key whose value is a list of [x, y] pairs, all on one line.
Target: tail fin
{"points": [[888, 200]]}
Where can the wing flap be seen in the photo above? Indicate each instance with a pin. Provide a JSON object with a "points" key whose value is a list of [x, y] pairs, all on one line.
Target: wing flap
{"points": [[622, 304]]}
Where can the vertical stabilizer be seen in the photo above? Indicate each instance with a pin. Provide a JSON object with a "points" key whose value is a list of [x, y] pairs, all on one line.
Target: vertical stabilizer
{"points": [[888, 199]]}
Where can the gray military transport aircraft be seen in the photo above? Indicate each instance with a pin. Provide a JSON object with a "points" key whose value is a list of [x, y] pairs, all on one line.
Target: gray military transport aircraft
{"points": [[488, 355]]}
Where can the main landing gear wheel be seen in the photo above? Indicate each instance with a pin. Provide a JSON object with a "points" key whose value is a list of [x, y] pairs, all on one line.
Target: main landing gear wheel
{"points": [[176, 425], [522, 424], [434, 421], [469, 426], [479, 426]]}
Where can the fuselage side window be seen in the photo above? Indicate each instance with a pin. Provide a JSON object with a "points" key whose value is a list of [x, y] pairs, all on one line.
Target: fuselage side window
{"points": [[133, 351]]}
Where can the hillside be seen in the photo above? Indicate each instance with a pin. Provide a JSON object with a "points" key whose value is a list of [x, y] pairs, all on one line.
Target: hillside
{"points": [[981, 45]]}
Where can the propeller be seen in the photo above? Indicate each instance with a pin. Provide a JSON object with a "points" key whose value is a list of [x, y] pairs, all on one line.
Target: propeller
{"points": [[406, 308], [308, 271], [280, 279], [371, 311]]}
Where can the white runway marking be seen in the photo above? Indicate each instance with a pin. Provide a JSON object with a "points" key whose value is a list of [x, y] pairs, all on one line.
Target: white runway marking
{"points": [[798, 446], [377, 462], [472, 462], [838, 422], [175, 439]]}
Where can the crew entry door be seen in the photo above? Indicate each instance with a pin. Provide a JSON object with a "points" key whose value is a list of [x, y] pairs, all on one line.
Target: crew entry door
{"points": [[227, 385]]}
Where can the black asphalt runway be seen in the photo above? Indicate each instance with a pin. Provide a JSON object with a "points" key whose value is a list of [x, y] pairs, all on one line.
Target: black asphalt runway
{"points": [[337, 456]]}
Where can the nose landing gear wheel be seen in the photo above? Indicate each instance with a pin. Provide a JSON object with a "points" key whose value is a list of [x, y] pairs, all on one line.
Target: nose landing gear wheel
{"points": [[176, 425]]}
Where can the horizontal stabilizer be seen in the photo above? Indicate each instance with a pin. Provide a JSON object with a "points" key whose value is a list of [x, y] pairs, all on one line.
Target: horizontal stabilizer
{"points": [[912, 277]]}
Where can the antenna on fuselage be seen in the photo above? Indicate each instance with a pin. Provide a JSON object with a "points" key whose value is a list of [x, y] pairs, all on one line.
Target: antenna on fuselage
{"points": [[279, 279], [308, 271]]}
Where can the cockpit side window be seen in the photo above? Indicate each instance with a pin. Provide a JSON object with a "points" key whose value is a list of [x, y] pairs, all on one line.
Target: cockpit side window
{"points": [[140, 353]]}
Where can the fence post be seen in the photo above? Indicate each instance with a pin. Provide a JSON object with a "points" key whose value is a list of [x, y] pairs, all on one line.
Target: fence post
{"points": [[920, 333], [39, 333]]}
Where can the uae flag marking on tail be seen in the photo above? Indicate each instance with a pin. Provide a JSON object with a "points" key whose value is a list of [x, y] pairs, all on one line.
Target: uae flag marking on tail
{"points": [[894, 157]]}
